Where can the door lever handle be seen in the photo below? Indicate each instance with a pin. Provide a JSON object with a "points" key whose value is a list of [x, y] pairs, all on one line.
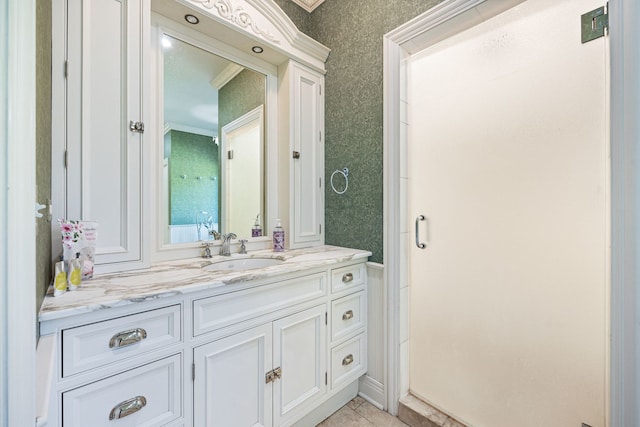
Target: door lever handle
{"points": [[419, 244]]}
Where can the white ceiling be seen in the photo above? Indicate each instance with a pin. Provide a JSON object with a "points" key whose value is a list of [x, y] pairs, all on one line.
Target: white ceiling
{"points": [[190, 99]]}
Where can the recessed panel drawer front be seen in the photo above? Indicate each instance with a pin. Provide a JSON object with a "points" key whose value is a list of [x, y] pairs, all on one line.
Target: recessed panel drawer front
{"points": [[348, 315], [224, 310], [98, 344], [351, 277], [146, 396], [348, 361]]}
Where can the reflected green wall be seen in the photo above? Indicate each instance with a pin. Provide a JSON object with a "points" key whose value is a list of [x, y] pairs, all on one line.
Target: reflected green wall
{"points": [[192, 156], [243, 93], [353, 30]]}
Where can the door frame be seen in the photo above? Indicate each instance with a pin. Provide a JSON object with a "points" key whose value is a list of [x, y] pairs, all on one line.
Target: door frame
{"points": [[17, 216], [427, 29]]}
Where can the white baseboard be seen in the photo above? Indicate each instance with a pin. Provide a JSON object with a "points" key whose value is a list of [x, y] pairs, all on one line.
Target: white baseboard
{"points": [[372, 391]]}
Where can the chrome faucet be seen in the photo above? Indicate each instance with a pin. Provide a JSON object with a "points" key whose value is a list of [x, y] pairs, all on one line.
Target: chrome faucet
{"points": [[215, 234], [225, 249]]}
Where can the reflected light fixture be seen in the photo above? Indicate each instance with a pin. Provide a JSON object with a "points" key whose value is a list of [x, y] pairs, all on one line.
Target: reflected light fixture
{"points": [[257, 49], [166, 43], [191, 19]]}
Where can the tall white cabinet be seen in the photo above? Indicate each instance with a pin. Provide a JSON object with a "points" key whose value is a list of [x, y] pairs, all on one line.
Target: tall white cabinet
{"points": [[301, 99], [98, 126]]}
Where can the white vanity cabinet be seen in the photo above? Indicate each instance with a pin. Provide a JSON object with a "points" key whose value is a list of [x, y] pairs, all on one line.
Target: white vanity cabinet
{"points": [[127, 369], [99, 91], [281, 350], [269, 374], [301, 99]]}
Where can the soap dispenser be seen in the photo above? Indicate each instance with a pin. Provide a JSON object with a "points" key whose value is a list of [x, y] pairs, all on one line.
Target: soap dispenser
{"points": [[278, 237], [256, 230]]}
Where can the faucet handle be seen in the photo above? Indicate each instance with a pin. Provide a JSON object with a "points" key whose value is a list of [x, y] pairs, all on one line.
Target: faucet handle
{"points": [[243, 248], [207, 250]]}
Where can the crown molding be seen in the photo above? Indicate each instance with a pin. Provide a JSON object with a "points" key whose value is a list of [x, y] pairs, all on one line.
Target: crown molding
{"points": [[308, 5]]}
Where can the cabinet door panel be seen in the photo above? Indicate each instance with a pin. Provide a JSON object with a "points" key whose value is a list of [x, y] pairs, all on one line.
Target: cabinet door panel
{"points": [[229, 386], [300, 352], [104, 93], [308, 204]]}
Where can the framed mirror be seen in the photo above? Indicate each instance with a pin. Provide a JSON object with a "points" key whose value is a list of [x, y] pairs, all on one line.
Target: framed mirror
{"points": [[213, 175]]}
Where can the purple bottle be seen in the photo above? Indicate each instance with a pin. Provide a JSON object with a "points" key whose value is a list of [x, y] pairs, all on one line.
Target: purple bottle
{"points": [[278, 237], [256, 230]]}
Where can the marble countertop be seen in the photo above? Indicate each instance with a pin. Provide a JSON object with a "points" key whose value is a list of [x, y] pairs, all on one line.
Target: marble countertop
{"points": [[184, 276]]}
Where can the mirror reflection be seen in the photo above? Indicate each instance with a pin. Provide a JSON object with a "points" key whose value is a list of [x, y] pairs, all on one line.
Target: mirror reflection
{"points": [[213, 162]]}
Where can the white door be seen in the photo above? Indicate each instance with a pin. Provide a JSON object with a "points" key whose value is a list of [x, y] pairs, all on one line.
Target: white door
{"points": [[299, 345], [508, 163], [229, 387], [243, 169]]}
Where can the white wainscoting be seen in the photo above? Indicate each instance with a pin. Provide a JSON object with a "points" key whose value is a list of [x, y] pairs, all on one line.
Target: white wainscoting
{"points": [[372, 384]]}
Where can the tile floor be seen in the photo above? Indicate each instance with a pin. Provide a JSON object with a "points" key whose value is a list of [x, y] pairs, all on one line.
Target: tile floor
{"points": [[360, 413]]}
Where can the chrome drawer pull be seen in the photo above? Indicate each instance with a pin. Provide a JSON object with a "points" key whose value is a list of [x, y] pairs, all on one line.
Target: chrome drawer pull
{"points": [[128, 407], [347, 278], [123, 339], [347, 360], [347, 315]]}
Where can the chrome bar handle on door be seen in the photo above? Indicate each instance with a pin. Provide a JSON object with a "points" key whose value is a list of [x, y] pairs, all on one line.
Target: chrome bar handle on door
{"points": [[419, 244]]}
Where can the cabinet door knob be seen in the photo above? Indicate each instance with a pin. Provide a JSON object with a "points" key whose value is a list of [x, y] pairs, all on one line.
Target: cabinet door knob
{"points": [[125, 338], [347, 278], [347, 315], [347, 360], [127, 407], [296, 154]]}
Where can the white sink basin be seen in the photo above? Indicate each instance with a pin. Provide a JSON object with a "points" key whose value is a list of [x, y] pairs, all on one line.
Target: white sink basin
{"points": [[239, 264]]}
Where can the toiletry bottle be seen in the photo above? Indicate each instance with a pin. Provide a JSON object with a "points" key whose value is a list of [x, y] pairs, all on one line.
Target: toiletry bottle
{"points": [[59, 279], [75, 272], [278, 237], [256, 230]]}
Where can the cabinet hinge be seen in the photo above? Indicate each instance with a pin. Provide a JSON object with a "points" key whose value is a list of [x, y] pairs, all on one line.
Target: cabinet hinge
{"points": [[193, 372], [326, 318], [319, 228], [65, 158], [320, 135], [320, 89], [319, 182], [595, 23], [326, 378], [66, 69]]}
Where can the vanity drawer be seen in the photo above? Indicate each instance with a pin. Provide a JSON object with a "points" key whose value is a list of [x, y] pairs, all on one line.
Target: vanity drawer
{"points": [[223, 310], [98, 344], [348, 315], [348, 361], [348, 278], [146, 396]]}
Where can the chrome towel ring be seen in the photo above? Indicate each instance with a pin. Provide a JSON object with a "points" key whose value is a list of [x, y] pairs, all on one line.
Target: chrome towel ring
{"points": [[345, 173]]}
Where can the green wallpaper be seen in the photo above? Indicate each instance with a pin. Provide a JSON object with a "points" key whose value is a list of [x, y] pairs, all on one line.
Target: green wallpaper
{"points": [[192, 156], [353, 30], [43, 145], [242, 94]]}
